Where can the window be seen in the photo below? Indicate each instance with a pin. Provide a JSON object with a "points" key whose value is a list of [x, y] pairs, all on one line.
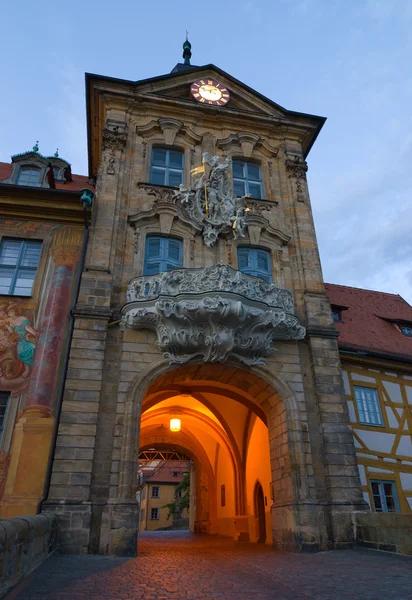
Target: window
{"points": [[175, 473], [142, 514], [384, 496], [247, 179], [162, 254], [336, 316], [367, 401], [154, 513], [56, 172], [18, 266], [4, 402], [155, 491], [406, 330], [29, 176], [179, 493], [255, 261], [222, 495], [167, 167]]}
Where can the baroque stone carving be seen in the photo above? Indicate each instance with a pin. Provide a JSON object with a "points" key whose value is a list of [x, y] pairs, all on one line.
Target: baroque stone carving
{"points": [[297, 167], [211, 203], [214, 313], [114, 138], [161, 194]]}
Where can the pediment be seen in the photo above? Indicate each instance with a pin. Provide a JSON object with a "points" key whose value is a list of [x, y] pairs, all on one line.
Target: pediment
{"points": [[242, 98]]}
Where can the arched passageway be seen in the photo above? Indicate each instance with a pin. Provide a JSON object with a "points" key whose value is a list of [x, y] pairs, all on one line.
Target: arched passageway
{"points": [[234, 429]]}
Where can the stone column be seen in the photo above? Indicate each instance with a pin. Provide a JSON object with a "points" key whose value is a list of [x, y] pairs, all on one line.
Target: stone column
{"points": [[33, 431]]}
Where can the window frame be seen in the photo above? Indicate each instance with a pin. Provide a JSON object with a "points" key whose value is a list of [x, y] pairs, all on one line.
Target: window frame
{"points": [[407, 327], [167, 167], [255, 271], [6, 396], [157, 509], [163, 258], [155, 487], [382, 495], [338, 314], [245, 179], [29, 167], [18, 267], [381, 413]]}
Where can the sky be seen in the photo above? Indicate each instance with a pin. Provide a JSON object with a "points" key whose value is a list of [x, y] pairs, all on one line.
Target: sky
{"points": [[347, 60]]}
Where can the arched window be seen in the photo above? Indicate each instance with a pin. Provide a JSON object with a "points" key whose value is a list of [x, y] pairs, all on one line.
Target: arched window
{"points": [[255, 261], [29, 176], [247, 179], [166, 167], [162, 254]]}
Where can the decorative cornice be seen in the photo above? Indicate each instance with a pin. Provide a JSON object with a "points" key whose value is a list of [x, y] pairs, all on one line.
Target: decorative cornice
{"points": [[170, 128], [214, 313], [248, 142]]}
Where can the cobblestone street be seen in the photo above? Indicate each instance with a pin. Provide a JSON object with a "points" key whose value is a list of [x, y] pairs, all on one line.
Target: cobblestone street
{"points": [[179, 566]]}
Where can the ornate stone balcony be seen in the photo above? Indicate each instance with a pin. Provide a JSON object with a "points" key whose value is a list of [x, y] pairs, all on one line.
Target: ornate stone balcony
{"points": [[213, 313]]}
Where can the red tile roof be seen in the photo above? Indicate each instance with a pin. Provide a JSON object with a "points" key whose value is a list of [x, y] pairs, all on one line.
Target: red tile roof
{"points": [[367, 320], [165, 473], [79, 181]]}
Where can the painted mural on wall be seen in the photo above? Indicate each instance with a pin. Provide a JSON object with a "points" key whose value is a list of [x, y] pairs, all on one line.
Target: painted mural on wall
{"points": [[18, 341]]}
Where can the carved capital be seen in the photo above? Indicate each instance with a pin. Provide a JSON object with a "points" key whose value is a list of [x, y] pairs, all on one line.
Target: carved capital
{"points": [[114, 138], [297, 167], [213, 313]]}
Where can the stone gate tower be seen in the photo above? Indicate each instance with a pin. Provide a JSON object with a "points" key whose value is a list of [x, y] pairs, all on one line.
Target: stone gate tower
{"points": [[202, 270]]}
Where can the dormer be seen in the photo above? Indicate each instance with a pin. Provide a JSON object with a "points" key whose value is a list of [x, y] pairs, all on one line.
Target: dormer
{"points": [[32, 169]]}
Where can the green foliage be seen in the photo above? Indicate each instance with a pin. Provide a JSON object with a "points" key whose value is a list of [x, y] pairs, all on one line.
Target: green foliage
{"points": [[180, 504]]}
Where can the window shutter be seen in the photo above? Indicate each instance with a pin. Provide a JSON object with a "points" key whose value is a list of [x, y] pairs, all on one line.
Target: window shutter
{"points": [[152, 263], [173, 254], [263, 267], [243, 259]]}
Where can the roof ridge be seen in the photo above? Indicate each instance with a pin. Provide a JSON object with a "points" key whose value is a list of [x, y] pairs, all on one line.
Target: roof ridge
{"points": [[352, 287]]}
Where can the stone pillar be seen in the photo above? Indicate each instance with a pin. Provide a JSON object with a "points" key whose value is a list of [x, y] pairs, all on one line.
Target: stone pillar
{"points": [[33, 432]]}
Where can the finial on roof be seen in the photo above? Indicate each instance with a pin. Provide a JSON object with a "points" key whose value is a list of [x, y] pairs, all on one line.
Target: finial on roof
{"points": [[36, 146], [56, 154], [187, 50]]}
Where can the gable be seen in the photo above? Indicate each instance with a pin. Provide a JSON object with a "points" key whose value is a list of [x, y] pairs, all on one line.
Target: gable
{"points": [[242, 98]]}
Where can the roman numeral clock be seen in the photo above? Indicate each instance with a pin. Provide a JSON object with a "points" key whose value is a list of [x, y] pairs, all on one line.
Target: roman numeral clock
{"points": [[209, 91]]}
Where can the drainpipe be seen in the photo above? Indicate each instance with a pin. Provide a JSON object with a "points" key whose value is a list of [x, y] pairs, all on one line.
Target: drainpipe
{"points": [[86, 199]]}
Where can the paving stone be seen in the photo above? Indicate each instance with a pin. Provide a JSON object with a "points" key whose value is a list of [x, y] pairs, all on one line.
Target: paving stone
{"points": [[181, 566]]}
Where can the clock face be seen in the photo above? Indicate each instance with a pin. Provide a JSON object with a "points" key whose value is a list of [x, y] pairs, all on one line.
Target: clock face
{"points": [[209, 91]]}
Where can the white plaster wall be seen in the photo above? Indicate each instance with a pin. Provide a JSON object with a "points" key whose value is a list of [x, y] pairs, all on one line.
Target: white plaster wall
{"points": [[408, 389], [362, 475], [366, 497], [405, 446], [352, 414], [406, 480], [357, 377], [377, 440], [346, 383], [393, 390], [392, 420]]}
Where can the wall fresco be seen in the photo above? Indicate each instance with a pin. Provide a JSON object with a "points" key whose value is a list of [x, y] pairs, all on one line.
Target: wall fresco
{"points": [[18, 342]]}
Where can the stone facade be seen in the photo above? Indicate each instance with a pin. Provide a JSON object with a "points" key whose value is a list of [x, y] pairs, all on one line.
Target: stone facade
{"points": [[112, 369]]}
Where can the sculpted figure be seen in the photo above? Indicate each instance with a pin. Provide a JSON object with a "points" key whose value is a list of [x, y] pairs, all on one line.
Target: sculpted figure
{"points": [[211, 203]]}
